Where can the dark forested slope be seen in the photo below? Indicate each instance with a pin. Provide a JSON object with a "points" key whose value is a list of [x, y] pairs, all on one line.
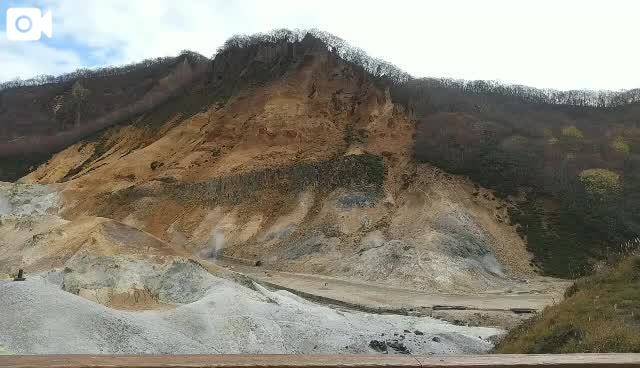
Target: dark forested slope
{"points": [[573, 161]]}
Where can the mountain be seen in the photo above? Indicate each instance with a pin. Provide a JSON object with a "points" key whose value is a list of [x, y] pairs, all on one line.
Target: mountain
{"points": [[311, 171], [511, 139], [292, 160]]}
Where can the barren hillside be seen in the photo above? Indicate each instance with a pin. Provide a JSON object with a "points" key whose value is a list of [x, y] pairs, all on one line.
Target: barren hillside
{"points": [[311, 172]]}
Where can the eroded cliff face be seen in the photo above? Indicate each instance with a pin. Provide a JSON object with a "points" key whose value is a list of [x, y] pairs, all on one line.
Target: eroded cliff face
{"points": [[308, 172]]}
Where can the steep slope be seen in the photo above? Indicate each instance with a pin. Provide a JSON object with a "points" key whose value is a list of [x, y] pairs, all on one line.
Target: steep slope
{"points": [[41, 116], [547, 148], [599, 315], [34, 237], [310, 172]]}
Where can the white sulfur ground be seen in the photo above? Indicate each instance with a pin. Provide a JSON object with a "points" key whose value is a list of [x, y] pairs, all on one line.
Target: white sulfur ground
{"points": [[27, 199], [38, 317]]}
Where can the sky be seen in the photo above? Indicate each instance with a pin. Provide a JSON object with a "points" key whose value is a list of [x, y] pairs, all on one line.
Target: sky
{"points": [[566, 44]]}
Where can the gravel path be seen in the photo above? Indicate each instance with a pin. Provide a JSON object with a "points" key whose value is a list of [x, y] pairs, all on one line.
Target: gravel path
{"points": [[385, 297]]}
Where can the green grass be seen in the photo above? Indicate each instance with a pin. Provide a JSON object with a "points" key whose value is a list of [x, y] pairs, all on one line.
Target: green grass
{"points": [[601, 313]]}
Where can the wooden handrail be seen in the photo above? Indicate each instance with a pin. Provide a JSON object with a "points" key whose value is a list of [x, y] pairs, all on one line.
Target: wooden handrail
{"points": [[323, 361]]}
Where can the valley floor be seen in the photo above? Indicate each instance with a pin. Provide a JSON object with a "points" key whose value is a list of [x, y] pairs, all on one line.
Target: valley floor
{"points": [[497, 309]]}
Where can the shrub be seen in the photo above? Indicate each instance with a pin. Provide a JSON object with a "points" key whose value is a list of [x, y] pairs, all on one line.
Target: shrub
{"points": [[600, 183], [620, 146], [572, 132]]}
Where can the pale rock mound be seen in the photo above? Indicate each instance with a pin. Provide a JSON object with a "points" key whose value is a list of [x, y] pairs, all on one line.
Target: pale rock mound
{"points": [[40, 318]]}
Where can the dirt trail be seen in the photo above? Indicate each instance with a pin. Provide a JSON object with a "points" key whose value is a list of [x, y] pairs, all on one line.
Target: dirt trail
{"points": [[378, 298]]}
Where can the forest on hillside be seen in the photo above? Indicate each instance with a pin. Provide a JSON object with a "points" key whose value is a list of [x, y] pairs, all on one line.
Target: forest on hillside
{"points": [[575, 167]]}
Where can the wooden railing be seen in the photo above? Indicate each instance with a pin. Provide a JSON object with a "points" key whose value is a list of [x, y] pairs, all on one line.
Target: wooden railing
{"points": [[323, 361]]}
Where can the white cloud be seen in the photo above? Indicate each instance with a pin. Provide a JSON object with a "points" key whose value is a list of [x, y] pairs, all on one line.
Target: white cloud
{"points": [[27, 59], [560, 44], [141, 29]]}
